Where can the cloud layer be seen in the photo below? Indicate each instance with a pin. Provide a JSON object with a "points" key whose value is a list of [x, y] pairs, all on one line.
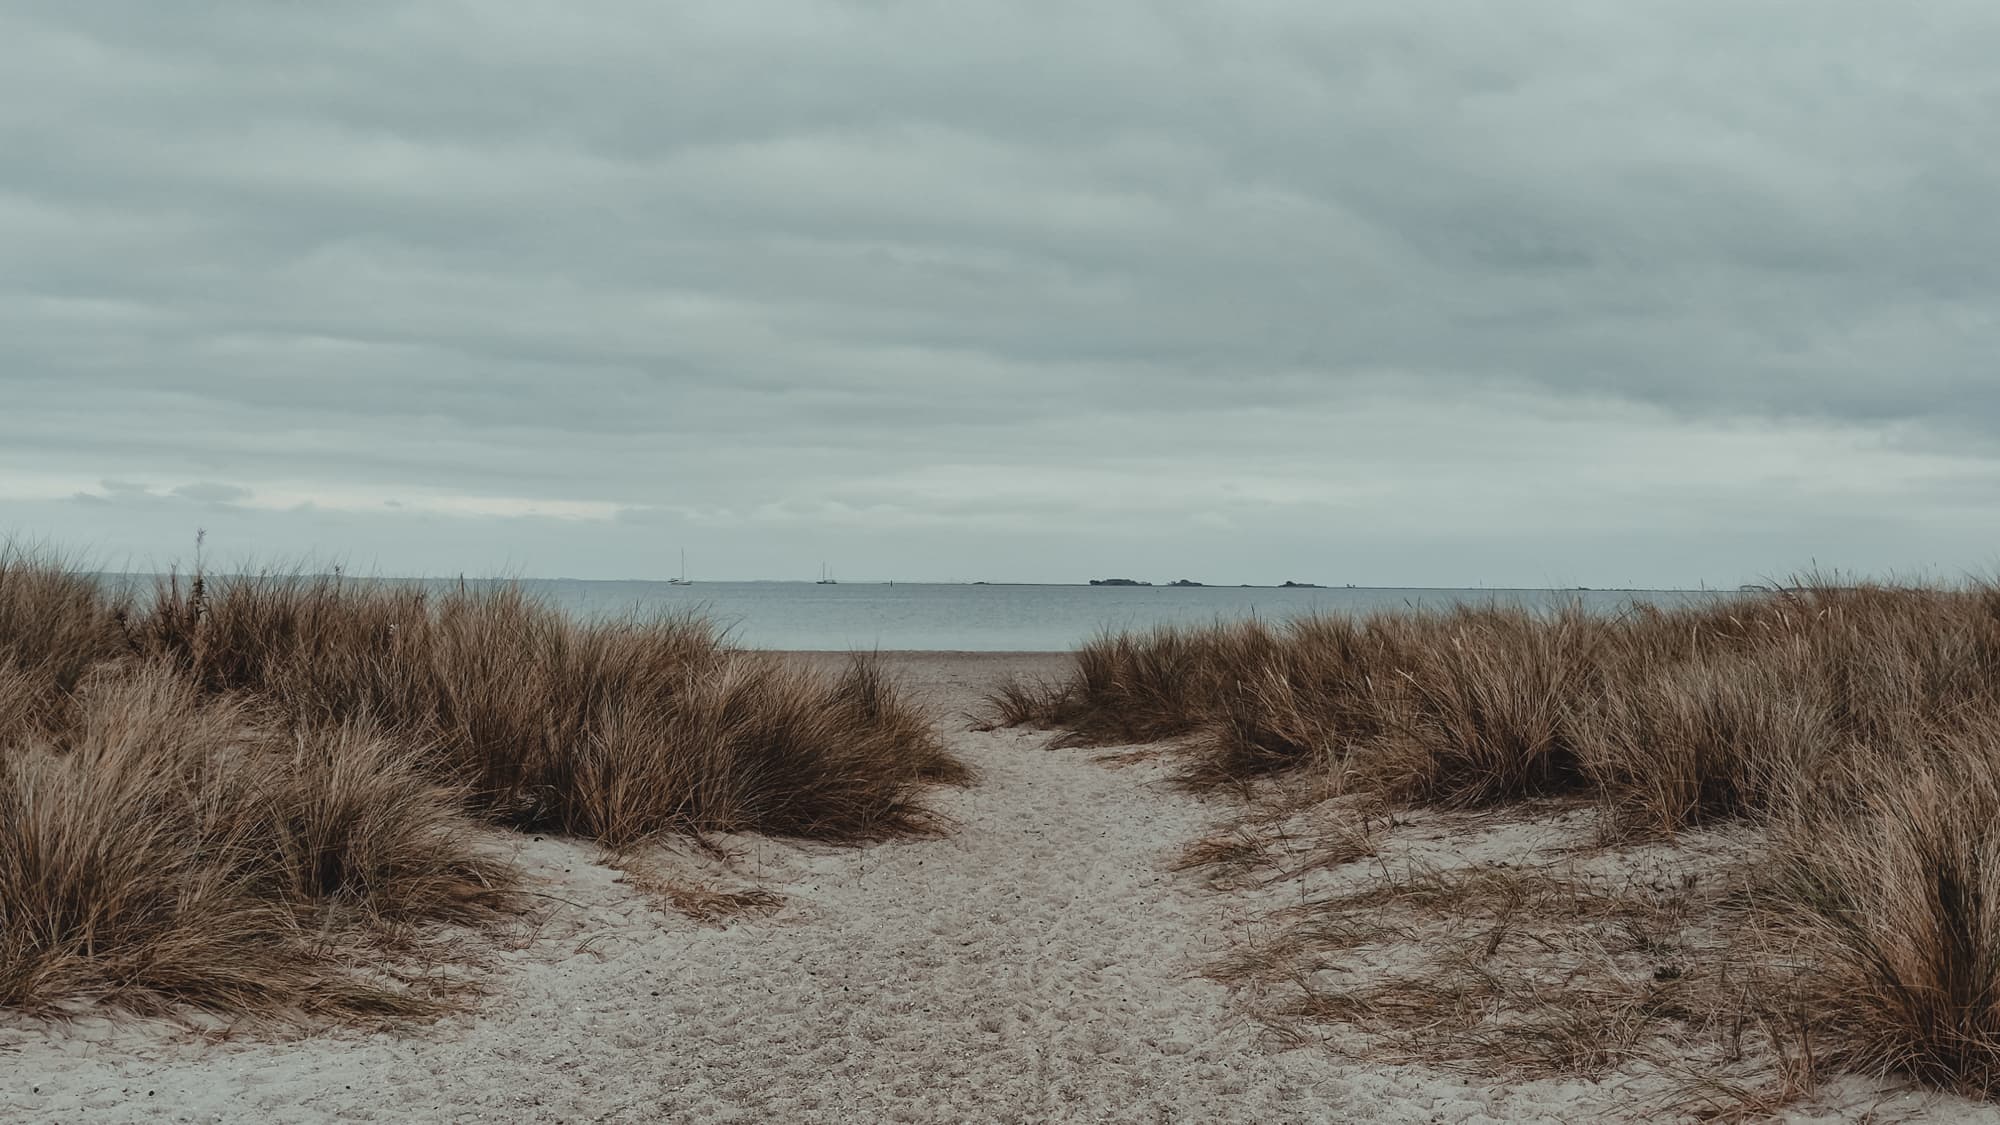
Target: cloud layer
{"points": [[1655, 293]]}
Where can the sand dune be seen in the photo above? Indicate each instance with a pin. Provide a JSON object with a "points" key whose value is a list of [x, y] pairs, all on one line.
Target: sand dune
{"points": [[1040, 963]]}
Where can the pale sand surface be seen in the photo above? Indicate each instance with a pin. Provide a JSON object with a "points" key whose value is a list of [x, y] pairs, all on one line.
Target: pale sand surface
{"points": [[1041, 963]]}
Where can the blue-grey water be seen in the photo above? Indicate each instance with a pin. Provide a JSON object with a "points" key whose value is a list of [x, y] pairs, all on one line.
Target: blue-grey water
{"points": [[805, 615], [808, 616]]}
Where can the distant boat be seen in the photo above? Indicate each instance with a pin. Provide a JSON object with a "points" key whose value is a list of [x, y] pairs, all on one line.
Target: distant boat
{"points": [[683, 579], [825, 579]]}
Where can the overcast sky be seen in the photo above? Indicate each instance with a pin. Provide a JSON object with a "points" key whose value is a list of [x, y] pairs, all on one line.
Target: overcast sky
{"points": [[1653, 293]]}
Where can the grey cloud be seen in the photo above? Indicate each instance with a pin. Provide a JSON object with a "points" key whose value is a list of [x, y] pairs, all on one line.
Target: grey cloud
{"points": [[211, 492], [808, 259], [130, 494]]}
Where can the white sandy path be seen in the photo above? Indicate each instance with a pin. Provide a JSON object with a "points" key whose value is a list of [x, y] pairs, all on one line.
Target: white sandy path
{"points": [[1039, 964]]}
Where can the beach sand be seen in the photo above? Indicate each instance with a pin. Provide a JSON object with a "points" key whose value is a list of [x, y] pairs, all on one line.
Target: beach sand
{"points": [[1039, 963]]}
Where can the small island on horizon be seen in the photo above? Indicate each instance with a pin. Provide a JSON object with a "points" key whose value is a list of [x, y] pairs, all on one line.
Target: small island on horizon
{"points": [[1287, 584]]}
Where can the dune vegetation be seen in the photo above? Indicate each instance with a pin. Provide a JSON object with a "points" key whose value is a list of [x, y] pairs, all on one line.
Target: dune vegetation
{"points": [[263, 794], [1837, 746]]}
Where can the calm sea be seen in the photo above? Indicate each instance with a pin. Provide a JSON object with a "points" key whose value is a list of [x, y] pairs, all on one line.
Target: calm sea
{"points": [[805, 615], [999, 618]]}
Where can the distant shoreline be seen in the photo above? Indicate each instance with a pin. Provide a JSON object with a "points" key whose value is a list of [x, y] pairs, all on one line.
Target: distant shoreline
{"points": [[1085, 585]]}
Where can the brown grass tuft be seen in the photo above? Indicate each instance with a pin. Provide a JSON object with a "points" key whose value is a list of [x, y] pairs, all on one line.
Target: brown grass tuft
{"points": [[754, 743], [167, 852], [705, 903], [615, 730], [256, 794], [1851, 727], [1890, 905]]}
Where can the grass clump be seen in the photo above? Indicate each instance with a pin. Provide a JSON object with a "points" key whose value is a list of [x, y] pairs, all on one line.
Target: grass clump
{"points": [[256, 794], [166, 851], [1889, 892], [1852, 730], [759, 745], [615, 730], [1489, 705]]}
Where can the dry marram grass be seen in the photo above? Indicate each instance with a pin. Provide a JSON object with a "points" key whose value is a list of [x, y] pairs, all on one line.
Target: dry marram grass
{"points": [[262, 794], [1853, 731]]}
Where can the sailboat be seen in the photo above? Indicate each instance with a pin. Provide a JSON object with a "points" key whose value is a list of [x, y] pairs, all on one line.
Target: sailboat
{"points": [[825, 578], [683, 579]]}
